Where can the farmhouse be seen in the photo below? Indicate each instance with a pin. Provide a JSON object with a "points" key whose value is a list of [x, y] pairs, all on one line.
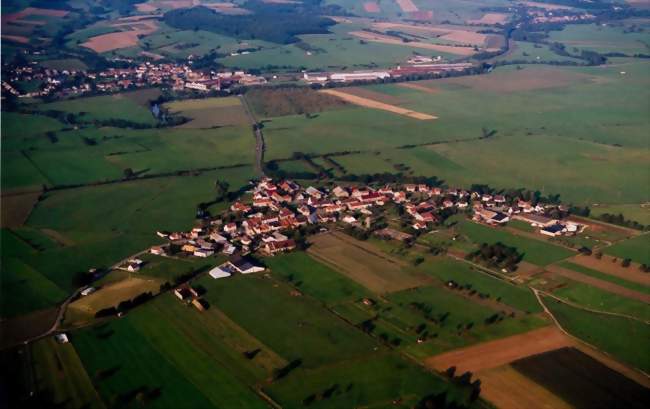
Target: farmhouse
{"points": [[275, 247], [536, 220], [553, 230]]}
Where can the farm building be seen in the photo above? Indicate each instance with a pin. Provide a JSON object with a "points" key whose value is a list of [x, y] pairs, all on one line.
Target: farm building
{"points": [[236, 264], [536, 220]]}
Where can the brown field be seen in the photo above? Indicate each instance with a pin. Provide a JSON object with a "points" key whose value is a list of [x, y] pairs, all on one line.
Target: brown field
{"points": [[407, 6], [506, 388], [16, 208], [386, 39], [369, 103], [145, 7], [121, 39], [528, 79], [35, 11], [413, 85], [490, 18], [291, 101], [603, 285], [364, 264], [371, 7], [17, 330], [421, 15], [500, 352], [444, 32], [546, 5], [18, 39], [607, 266], [110, 296]]}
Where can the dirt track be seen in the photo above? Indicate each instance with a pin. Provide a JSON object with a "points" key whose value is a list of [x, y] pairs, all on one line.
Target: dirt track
{"points": [[500, 352], [369, 103], [603, 285]]}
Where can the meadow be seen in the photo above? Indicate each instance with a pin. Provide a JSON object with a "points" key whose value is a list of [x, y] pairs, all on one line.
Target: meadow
{"points": [[305, 331], [606, 277], [210, 112], [538, 252], [605, 38], [635, 212], [635, 248], [623, 338]]}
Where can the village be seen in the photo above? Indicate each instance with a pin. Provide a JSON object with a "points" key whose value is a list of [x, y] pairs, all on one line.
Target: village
{"points": [[269, 222]]}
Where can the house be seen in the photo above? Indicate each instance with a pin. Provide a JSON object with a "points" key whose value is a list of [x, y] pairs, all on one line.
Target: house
{"points": [[184, 292], [313, 192], [419, 226], [349, 219], [240, 207], [230, 228], [491, 216], [218, 237], [275, 247], [554, 230], [163, 234], [189, 248], [87, 291], [340, 192], [244, 265], [61, 338], [427, 217], [157, 250], [203, 253]]}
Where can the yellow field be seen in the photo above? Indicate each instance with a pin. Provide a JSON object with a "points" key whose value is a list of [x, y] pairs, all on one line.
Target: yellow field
{"points": [[370, 103]]}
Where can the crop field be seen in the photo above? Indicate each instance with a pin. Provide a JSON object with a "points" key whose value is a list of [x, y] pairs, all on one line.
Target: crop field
{"points": [[16, 208], [369, 103], [581, 380], [59, 373], [639, 281], [290, 101], [306, 332], [623, 338], [315, 279], [210, 112], [500, 352], [612, 266], [538, 252], [377, 272], [635, 249]]}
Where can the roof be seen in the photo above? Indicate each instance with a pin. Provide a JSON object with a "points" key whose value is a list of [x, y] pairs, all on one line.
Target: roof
{"points": [[242, 263], [554, 228]]}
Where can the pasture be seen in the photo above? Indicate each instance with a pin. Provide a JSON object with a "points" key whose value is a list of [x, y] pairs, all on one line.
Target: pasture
{"points": [[209, 112], [290, 101], [635, 248], [375, 271], [623, 338], [638, 282], [306, 332], [538, 252], [639, 213], [620, 38], [315, 279]]}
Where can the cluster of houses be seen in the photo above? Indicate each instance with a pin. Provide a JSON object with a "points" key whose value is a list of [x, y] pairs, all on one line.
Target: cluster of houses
{"points": [[264, 223], [420, 65], [148, 74]]}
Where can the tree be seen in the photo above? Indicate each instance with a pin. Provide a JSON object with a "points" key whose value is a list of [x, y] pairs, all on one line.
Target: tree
{"points": [[626, 262], [128, 173]]}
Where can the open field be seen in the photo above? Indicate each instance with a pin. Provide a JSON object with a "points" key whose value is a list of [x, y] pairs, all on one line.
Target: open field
{"points": [[291, 101], [490, 19], [210, 112], [538, 252], [500, 352], [637, 212], [133, 30], [371, 7], [635, 249], [306, 332], [635, 280], [601, 284], [377, 272], [581, 380], [623, 338], [315, 279], [16, 208], [369, 103], [387, 39], [445, 33], [604, 39], [506, 388], [60, 375], [607, 265]]}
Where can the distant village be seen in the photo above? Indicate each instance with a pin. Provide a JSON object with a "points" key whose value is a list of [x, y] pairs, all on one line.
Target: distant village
{"points": [[266, 223], [56, 83]]}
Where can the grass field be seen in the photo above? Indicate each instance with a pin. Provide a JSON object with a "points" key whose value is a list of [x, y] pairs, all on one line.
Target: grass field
{"points": [[635, 249], [635, 212], [105, 107], [210, 112], [606, 277], [537, 252], [304, 332], [315, 279], [60, 376], [604, 38], [625, 339]]}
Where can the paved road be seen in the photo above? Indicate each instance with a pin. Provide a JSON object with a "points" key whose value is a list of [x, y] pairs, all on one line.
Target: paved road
{"points": [[259, 138]]}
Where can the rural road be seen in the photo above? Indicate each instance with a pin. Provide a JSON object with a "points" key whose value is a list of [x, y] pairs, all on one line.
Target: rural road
{"points": [[259, 137]]}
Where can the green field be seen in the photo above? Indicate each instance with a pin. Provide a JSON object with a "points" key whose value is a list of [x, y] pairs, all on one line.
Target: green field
{"points": [[295, 327], [600, 300], [210, 112], [635, 212], [624, 338], [60, 376], [604, 38], [315, 279], [538, 252], [606, 277], [636, 249]]}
